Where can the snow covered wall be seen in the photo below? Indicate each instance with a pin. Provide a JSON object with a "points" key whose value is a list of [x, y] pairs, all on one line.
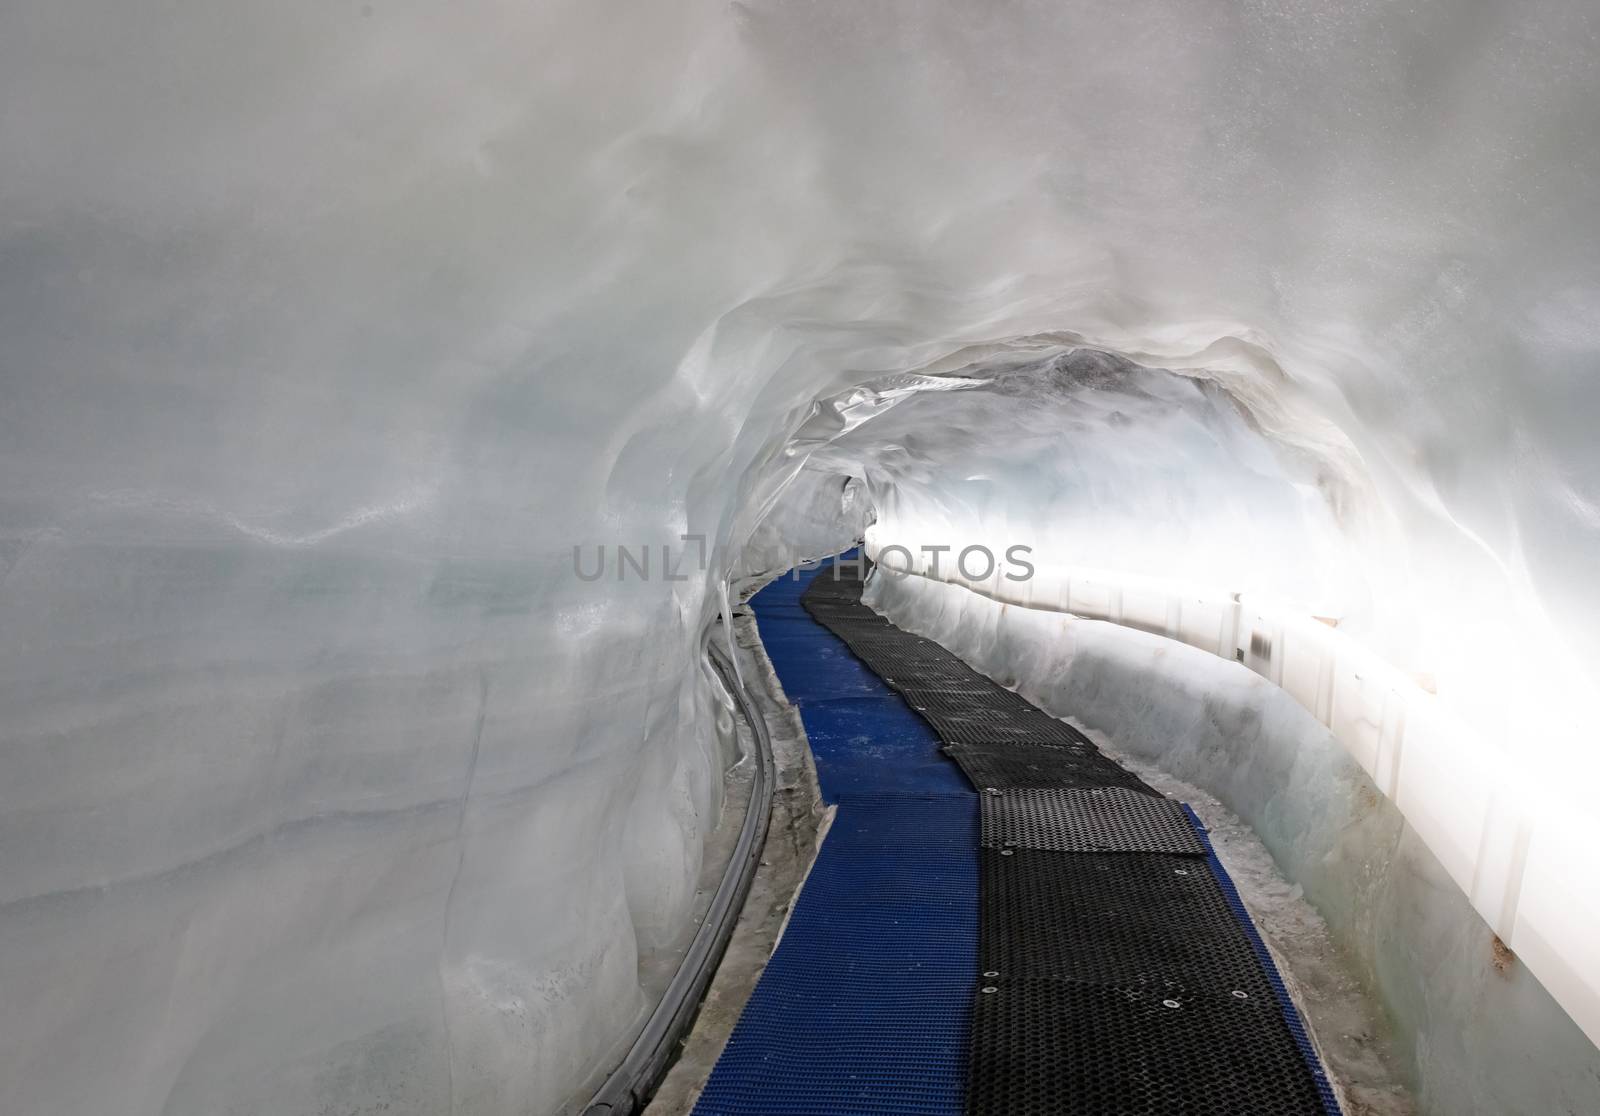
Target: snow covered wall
{"points": [[1079, 482], [328, 331]]}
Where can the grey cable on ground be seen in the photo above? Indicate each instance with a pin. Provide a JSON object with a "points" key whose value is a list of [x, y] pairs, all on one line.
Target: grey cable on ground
{"points": [[632, 1083]]}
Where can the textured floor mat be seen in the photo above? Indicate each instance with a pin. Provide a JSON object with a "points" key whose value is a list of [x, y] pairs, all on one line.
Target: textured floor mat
{"points": [[1114, 820], [1148, 922], [1044, 1047], [1041, 766], [863, 1009]]}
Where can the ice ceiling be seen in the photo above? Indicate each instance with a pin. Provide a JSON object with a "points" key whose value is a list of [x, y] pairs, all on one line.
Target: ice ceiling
{"points": [[328, 330]]}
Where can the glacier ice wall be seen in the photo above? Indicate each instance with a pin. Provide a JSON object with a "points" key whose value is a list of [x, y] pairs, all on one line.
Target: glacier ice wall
{"points": [[1143, 496], [817, 513], [328, 331], [1088, 459]]}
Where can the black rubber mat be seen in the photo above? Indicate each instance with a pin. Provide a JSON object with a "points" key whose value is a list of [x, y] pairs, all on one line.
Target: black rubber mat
{"points": [[1032, 729], [1112, 820], [903, 674], [1044, 1047], [954, 676], [890, 644], [849, 614], [971, 700], [912, 666], [904, 667], [1060, 733], [1013, 766], [1145, 921], [873, 632]]}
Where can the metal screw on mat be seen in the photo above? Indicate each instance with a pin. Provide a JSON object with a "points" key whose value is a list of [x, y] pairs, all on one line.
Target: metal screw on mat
{"points": [[991, 790]]}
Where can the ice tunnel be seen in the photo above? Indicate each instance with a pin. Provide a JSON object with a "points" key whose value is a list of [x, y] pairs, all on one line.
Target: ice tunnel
{"points": [[405, 406]]}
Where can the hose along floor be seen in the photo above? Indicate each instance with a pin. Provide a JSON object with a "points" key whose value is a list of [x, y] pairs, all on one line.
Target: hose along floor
{"points": [[1001, 919]]}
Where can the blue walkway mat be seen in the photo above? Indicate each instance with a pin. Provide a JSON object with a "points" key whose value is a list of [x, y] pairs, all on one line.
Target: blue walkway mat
{"points": [[865, 1006], [863, 735]]}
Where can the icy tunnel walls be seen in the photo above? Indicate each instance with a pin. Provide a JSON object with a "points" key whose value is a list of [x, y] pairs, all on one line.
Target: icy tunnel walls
{"points": [[1396, 812], [330, 782]]}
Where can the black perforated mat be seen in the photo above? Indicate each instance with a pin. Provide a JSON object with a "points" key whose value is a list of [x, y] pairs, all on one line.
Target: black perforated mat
{"points": [[1118, 973], [1040, 729], [1071, 1047], [1153, 923], [1114, 819], [1015, 766]]}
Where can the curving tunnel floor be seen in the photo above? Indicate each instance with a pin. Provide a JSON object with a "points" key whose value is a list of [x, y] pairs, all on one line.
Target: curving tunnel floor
{"points": [[1000, 919], [865, 1005]]}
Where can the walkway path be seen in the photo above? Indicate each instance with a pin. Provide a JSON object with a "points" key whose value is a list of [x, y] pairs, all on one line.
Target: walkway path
{"points": [[1062, 942]]}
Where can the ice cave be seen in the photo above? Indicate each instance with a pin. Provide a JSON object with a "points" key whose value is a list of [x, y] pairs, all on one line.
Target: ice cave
{"points": [[428, 437]]}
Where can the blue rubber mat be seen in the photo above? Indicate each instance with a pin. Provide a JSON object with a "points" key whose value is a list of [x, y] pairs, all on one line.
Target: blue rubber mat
{"points": [[864, 737], [864, 1008]]}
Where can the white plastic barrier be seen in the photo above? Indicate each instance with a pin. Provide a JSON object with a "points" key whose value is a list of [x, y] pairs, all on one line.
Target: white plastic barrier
{"points": [[1526, 866]]}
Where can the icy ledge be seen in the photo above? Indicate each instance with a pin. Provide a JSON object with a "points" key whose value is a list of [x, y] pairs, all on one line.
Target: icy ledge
{"points": [[1481, 1033]]}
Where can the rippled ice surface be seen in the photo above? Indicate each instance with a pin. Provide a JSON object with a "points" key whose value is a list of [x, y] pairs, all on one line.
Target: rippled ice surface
{"points": [[328, 331]]}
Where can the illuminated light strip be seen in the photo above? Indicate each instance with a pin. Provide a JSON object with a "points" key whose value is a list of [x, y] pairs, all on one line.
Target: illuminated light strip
{"points": [[1525, 871]]}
